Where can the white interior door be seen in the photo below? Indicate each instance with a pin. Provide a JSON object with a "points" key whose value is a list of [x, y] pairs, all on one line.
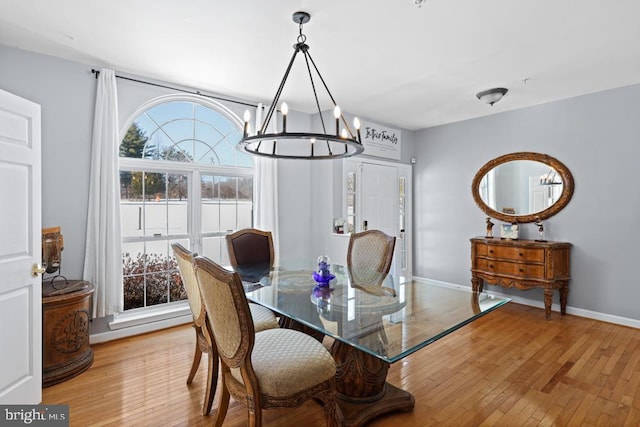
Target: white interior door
{"points": [[537, 195], [383, 208], [20, 250], [379, 198]]}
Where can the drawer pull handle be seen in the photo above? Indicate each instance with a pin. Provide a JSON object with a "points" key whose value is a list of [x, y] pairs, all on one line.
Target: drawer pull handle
{"points": [[521, 271], [521, 254], [490, 251], [490, 265]]}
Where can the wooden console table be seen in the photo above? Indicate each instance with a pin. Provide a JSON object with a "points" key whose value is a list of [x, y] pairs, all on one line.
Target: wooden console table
{"points": [[65, 330], [522, 264]]}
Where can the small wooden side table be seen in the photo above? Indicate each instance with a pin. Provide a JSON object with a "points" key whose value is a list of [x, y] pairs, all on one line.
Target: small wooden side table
{"points": [[65, 330]]}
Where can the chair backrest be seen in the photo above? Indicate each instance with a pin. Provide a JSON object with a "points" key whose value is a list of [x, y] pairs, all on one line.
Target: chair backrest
{"points": [[250, 246], [369, 256], [185, 257], [228, 312]]}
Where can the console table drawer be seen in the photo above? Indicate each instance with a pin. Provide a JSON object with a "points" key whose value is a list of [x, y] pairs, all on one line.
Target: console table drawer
{"points": [[511, 268], [512, 253]]}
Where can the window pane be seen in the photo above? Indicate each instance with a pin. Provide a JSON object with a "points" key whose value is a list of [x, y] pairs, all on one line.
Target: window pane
{"points": [[131, 217], [157, 286], [157, 256], [156, 205], [210, 204], [245, 215], [176, 288], [186, 132], [215, 248], [245, 189], [133, 265], [133, 289], [177, 206], [168, 111]]}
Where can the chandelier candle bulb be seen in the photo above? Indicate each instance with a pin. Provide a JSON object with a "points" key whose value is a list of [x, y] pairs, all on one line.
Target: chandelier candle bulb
{"points": [[356, 124], [285, 110], [247, 116], [313, 140], [343, 134], [336, 114]]}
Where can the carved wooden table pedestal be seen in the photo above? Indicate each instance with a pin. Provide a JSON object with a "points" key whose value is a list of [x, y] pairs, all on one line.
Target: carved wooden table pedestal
{"points": [[363, 392], [65, 330]]}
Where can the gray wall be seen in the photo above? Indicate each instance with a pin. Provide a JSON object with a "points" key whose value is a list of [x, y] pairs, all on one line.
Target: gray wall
{"points": [[66, 92], [596, 137]]}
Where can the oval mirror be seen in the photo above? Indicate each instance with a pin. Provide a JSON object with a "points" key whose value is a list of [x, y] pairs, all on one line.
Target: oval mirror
{"points": [[520, 187]]}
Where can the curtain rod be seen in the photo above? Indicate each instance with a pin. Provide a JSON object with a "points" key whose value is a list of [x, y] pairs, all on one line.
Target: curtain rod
{"points": [[197, 92]]}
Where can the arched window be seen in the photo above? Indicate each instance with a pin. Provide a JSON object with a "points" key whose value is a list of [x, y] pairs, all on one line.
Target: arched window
{"points": [[181, 180]]}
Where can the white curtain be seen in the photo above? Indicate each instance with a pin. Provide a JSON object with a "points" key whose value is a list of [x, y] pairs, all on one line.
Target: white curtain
{"points": [[265, 188], [103, 249]]}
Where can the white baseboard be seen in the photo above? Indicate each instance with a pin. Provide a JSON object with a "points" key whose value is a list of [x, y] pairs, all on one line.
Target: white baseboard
{"points": [[604, 317]]}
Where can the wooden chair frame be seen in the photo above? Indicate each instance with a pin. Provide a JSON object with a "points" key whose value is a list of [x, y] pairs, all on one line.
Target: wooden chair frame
{"points": [[231, 238], [383, 265], [238, 355], [184, 257]]}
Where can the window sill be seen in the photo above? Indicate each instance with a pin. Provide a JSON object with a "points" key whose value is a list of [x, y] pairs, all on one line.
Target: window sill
{"points": [[149, 315]]}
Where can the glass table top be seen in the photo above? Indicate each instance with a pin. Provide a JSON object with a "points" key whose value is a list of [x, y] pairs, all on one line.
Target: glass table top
{"points": [[389, 320]]}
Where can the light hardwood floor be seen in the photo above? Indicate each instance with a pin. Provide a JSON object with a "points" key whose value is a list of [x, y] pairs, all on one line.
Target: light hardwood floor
{"points": [[509, 368]]}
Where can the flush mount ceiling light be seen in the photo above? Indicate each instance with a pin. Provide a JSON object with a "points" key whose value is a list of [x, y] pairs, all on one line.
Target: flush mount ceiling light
{"points": [[492, 96], [302, 145]]}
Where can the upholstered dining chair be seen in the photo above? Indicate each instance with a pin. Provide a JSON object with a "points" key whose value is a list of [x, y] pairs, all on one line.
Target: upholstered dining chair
{"points": [[272, 368], [251, 253], [263, 317], [369, 257], [250, 246]]}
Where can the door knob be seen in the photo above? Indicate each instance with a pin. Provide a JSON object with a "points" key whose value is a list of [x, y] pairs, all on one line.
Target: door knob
{"points": [[37, 270]]}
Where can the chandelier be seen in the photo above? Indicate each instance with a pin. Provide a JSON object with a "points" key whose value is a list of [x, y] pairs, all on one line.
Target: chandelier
{"points": [[302, 145]]}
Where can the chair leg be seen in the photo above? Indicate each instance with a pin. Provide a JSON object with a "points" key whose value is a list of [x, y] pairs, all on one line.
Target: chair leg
{"points": [[197, 355], [255, 417], [223, 406], [212, 381]]}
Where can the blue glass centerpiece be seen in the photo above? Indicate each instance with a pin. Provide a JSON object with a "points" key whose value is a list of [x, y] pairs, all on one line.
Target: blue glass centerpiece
{"points": [[323, 274]]}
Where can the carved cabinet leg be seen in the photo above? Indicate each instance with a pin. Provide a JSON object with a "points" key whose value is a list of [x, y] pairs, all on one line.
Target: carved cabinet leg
{"points": [[564, 291], [476, 284], [548, 299]]}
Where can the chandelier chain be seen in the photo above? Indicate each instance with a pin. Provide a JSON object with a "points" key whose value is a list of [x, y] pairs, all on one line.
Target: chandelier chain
{"points": [[301, 37]]}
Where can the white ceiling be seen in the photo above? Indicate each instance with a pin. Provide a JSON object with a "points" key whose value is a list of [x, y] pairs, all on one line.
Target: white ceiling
{"points": [[389, 61]]}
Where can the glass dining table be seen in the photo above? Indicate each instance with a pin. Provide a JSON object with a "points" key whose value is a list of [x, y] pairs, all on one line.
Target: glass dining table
{"points": [[372, 326]]}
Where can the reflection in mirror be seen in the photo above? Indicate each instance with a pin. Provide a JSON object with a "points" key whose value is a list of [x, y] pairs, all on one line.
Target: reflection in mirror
{"points": [[521, 187]]}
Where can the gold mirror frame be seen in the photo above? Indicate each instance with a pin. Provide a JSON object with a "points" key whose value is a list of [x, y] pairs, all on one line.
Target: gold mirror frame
{"points": [[563, 171]]}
